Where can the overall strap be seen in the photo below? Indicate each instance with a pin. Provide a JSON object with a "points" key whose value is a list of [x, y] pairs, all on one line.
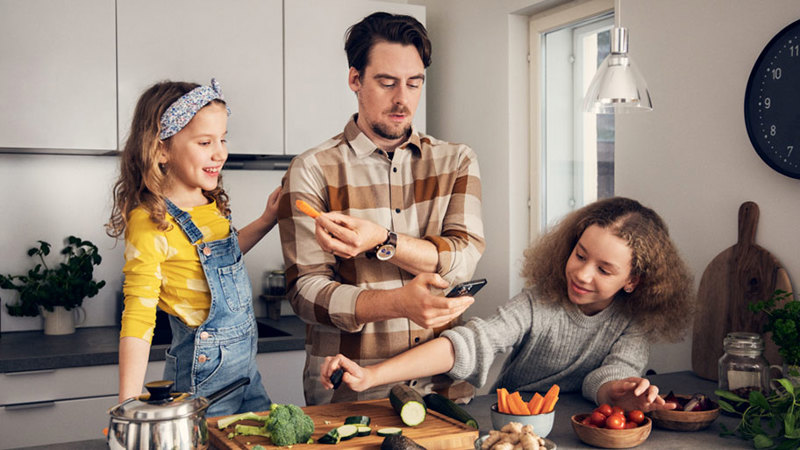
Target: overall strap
{"points": [[184, 221]]}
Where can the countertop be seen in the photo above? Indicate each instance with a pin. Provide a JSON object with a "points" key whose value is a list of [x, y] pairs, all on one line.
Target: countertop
{"points": [[22, 351], [574, 403]]}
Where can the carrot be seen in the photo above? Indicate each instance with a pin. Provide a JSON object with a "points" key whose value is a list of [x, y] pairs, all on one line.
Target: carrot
{"points": [[535, 405], [517, 405], [307, 209], [550, 399], [502, 400]]}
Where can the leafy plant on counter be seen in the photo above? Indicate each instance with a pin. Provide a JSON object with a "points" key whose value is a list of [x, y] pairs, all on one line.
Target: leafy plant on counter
{"points": [[769, 422], [783, 322], [64, 285]]}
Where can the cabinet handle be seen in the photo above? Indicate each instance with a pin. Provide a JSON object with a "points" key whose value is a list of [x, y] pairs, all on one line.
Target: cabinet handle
{"points": [[31, 405], [28, 372]]}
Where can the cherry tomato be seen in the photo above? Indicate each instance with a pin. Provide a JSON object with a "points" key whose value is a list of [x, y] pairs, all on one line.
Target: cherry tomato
{"points": [[588, 422], [617, 410], [636, 416], [629, 425], [615, 422], [597, 418], [604, 409]]}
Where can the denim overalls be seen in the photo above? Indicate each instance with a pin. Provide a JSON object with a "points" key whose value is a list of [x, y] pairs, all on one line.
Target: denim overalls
{"points": [[223, 348]]}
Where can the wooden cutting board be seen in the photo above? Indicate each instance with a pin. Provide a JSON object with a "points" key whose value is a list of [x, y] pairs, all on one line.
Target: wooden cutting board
{"points": [[436, 432], [740, 275]]}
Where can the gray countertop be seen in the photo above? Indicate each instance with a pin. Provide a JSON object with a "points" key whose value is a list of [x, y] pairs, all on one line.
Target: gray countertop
{"points": [[91, 346]]}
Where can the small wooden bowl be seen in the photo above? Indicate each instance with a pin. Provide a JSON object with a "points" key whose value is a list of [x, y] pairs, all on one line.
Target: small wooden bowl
{"points": [[605, 438], [684, 420]]}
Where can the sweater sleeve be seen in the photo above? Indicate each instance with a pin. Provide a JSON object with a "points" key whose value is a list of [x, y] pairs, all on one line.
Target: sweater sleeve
{"points": [[627, 358], [478, 341]]}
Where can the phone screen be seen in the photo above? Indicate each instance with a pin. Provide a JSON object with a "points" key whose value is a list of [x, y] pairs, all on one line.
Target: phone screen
{"points": [[468, 288]]}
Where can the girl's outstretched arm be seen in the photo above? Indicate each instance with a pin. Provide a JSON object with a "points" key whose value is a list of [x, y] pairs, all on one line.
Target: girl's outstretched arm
{"points": [[133, 356], [257, 229], [632, 393], [431, 358]]}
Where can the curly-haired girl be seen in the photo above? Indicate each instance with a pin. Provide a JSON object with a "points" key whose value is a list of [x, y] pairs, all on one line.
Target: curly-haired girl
{"points": [[599, 286]]}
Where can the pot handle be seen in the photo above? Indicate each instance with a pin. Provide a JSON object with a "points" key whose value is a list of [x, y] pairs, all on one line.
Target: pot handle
{"points": [[227, 390]]}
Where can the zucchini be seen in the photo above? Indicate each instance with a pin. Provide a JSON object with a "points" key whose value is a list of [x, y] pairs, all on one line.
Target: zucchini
{"points": [[408, 404], [357, 420], [332, 437], [444, 405], [347, 431], [390, 431], [363, 431], [400, 443]]}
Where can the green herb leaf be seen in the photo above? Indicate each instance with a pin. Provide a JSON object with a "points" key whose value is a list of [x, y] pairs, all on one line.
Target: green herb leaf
{"points": [[758, 399], [762, 441], [729, 395]]}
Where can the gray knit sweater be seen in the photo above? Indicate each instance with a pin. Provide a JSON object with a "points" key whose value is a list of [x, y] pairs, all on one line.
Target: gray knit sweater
{"points": [[550, 342]]}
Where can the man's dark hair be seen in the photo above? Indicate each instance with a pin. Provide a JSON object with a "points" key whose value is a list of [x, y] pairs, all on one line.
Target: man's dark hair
{"points": [[385, 27]]}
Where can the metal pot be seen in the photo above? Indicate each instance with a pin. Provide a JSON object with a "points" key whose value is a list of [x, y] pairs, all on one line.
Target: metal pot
{"points": [[163, 419]]}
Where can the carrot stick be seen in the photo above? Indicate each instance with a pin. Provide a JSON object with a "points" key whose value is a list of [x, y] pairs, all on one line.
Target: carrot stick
{"points": [[502, 400], [517, 405], [307, 209], [550, 398], [535, 404], [549, 408]]}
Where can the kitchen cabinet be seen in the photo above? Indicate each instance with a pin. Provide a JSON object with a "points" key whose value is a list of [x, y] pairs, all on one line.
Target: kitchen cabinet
{"points": [[282, 375], [61, 405], [239, 43], [318, 99], [58, 75]]}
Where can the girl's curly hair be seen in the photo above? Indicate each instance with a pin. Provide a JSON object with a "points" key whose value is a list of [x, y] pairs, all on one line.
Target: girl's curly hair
{"points": [[142, 179], [665, 287]]}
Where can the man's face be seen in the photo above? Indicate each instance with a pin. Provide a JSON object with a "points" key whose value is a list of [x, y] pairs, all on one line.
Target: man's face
{"points": [[388, 92]]}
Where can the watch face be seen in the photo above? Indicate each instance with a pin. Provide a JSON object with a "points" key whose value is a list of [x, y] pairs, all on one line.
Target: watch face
{"points": [[385, 252], [772, 102]]}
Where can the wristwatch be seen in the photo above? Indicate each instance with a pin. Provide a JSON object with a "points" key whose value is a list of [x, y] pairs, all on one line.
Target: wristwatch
{"points": [[385, 251]]}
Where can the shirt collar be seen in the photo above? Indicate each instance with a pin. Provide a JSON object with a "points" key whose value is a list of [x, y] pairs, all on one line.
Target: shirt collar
{"points": [[363, 146]]}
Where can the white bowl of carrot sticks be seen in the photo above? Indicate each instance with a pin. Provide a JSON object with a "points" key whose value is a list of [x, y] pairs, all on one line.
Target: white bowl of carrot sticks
{"points": [[538, 411]]}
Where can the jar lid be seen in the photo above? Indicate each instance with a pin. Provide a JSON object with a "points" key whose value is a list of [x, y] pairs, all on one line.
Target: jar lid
{"points": [[744, 340], [159, 404]]}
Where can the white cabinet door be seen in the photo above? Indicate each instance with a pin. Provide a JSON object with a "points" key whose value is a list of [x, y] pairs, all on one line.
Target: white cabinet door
{"points": [[318, 99], [282, 376], [58, 74], [239, 43]]}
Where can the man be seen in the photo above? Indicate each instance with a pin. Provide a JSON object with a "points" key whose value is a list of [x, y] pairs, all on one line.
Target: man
{"points": [[403, 216]]}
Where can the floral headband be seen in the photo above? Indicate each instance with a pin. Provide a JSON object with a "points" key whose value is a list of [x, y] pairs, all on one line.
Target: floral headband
{"points": [[181, 112]]}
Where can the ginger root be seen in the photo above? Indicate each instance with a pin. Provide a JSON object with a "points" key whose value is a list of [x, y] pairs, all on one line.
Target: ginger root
{"points": [[513, 436]]}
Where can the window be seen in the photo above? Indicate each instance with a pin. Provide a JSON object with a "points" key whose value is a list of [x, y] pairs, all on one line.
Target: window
{"points": [[572, 159]]}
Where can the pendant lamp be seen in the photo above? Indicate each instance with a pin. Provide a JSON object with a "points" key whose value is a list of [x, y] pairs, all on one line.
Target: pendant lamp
{"points": [[617, 86]]}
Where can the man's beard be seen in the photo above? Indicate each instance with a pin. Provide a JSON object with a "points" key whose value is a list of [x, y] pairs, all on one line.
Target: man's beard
{"points": [[387, 133]]}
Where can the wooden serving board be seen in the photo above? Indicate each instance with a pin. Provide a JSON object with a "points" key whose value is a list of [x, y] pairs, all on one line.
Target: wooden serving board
{"points": [[740, 275], [436, 432]]}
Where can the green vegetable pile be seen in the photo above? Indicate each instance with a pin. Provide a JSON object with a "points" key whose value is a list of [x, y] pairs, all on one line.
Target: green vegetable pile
{"points": [[783, 322], [769, 422], [285, 425]]}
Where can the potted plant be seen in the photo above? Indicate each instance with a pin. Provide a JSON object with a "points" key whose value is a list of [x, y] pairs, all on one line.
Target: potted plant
{"points": [[783, 320], [56, 291]]}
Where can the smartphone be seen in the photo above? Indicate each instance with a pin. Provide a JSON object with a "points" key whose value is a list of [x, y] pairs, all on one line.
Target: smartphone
{"points": [[467, 288]]}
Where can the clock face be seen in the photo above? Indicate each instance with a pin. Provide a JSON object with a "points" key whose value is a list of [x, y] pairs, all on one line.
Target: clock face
{"points": [[772, 102]]}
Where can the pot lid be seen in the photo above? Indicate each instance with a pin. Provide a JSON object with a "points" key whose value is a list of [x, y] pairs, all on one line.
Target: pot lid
{"points": [[159, 404]]}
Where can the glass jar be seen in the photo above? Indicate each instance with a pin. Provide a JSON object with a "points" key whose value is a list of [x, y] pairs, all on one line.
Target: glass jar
{"points": [[277, 282], [743, 367]]}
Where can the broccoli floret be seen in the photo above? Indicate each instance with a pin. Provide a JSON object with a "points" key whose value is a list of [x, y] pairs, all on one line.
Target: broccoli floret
{"points": [[285, 425]]}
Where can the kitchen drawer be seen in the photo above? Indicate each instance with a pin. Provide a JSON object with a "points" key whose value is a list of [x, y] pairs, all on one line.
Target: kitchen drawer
{"points": [[69, 383], [54, 422]]}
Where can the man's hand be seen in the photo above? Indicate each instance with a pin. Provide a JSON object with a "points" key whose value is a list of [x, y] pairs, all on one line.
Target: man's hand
{"points": [[425, 309], [347, 237], [632, 393], [355, 377]]}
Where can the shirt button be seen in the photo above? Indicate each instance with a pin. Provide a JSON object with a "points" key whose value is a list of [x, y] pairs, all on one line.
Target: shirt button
{"points": [[394, 169], [414, 383], [204, 335], [202, 358], [397, 210], [416, 339]]}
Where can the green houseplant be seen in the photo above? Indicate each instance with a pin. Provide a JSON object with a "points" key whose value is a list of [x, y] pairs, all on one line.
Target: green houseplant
{"points": [[65, 285], [783, 320]]}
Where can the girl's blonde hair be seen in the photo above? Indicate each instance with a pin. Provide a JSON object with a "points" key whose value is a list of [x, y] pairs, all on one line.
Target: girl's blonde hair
{"points": [[142, 179], [665, 288]]}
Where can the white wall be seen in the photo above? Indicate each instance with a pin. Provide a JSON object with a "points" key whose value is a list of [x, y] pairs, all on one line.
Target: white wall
{"points": [[48, 197]]}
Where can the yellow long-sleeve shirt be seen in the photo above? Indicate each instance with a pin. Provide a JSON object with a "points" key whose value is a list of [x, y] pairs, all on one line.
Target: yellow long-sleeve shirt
{"points": [[162, 269]]}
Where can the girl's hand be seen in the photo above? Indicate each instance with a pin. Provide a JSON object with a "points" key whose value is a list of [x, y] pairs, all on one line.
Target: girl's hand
{"points": [[632, 393], [355, 377], [270, 216]]}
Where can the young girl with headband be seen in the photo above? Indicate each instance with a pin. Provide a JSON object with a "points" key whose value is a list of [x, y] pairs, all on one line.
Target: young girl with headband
{"points": [[181, 252], [600, 287]]}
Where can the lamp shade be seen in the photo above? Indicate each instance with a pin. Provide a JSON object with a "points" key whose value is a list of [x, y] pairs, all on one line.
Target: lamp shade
{"points": [[617, 86]]}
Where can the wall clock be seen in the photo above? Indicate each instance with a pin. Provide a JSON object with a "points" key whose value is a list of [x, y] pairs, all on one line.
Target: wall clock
{"points": [[772, 102]]}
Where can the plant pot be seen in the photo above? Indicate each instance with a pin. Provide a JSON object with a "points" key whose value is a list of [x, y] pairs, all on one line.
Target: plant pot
{"points": [[61, 321]]}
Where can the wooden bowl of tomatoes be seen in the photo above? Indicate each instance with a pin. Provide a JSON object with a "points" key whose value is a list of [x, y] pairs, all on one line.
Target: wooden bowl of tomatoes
{"points": [[694, 412], [612, 427]]}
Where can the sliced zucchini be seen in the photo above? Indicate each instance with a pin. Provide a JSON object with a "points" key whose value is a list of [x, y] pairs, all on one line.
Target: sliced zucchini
{"points": [[332, 437], [444, 405], [357, 420], [347, 431], [408, 404], [390, 431], [364, 431]]}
